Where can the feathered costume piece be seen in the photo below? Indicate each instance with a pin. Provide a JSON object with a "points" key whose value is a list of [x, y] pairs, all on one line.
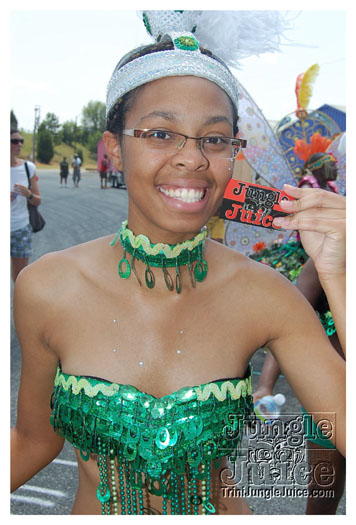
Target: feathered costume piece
{"points": [[234, 35], [304, 87], [317, 144]]}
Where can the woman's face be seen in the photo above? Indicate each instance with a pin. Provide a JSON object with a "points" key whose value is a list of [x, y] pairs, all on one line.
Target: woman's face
{"points": [[332, 170], [328, 172], [15, 148], [158, 181]]}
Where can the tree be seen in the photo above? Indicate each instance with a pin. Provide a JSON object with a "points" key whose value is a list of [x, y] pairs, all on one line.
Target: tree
{"points": [[45, 150], [93, 117], [13, 121], [80, 154], [67, 132], [51, 123], [93, 140]]}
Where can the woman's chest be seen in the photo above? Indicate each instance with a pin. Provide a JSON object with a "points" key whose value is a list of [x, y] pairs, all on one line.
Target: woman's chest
{"points": [[153, 346], [18, 176]]}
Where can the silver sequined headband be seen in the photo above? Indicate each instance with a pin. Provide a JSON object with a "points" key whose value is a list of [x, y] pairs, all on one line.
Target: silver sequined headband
{"points": [[165, 64]]}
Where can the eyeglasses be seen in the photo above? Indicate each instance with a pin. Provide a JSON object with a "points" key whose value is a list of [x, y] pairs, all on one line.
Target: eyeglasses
{"points": [[169, 142], [17, 141]]}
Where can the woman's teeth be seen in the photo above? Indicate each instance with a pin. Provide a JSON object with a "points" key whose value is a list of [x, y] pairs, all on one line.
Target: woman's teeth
{"points": [[184, 194]]}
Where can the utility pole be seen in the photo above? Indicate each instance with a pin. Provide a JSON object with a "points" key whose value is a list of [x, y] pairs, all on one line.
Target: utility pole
{"points": [[37, 121], [75, 135]]}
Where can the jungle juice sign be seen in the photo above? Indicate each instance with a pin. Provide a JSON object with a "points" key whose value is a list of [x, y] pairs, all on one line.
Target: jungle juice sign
{"points": [[252, 204]]}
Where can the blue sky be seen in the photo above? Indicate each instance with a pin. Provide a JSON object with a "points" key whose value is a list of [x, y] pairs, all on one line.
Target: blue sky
{"points": [[62, 59]]}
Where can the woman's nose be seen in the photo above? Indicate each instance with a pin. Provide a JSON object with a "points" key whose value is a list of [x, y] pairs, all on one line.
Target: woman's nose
{"points": [[190, 154]]}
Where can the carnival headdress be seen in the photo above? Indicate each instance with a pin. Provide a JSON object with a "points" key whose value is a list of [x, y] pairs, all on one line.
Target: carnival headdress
{"points": [[229, 35], [317, 144]]}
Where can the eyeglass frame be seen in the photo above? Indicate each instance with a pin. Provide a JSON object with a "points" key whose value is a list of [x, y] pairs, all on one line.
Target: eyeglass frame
{"points": [[133, 132], [17, 141]]}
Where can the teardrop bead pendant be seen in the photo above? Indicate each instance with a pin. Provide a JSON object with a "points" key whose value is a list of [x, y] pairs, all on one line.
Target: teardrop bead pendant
{"points": [[201, 270], [149, 277], [191, 275], [168, 279], [178, 282], [124, 274]]}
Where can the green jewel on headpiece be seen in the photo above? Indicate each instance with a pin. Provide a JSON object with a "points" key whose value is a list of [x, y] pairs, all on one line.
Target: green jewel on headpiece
{"points": [[163, 256], [320, 162], [188, 43]]}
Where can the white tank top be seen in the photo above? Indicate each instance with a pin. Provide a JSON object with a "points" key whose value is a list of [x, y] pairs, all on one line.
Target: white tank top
{"points": [[19, 212]]}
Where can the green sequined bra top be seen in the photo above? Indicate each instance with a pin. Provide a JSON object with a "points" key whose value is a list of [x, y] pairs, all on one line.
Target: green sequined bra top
{"points": [[165, 445]]}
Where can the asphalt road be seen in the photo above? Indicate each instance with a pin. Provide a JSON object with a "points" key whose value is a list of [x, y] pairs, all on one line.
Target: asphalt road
{"points": [[76, 215]]}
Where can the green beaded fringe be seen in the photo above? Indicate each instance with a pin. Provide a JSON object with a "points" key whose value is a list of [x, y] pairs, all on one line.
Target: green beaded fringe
{"points": [[185, 496], [162, 256]]}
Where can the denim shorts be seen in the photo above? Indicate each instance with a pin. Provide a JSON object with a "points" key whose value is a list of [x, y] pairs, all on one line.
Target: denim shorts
{"points": [[21, 242]]}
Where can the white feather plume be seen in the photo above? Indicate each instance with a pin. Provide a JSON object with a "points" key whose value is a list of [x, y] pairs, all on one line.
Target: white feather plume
{"points": [[234, 35]]}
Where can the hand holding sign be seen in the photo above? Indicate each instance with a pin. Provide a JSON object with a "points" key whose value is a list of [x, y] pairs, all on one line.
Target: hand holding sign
{"points": [[320, 218], [318, 215]]}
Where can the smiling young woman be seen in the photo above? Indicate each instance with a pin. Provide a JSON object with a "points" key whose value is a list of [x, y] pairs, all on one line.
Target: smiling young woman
{"points": [[155, 402]]}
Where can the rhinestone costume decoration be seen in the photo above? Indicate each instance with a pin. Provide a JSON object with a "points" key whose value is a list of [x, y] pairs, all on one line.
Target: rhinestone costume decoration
{"points": [[185, 59], [167, 446]]}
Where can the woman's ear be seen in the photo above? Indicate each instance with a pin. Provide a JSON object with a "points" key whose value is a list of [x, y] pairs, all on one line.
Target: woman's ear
{"points": [[113, 149]]}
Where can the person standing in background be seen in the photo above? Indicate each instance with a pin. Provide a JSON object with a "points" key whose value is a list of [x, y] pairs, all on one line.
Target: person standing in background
{"points": [[104, 166], [64, 170], [20, 192], [76, 170]]}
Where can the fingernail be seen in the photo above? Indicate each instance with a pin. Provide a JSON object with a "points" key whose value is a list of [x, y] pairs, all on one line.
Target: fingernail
{"points": [[286, 204], [281, 221]]}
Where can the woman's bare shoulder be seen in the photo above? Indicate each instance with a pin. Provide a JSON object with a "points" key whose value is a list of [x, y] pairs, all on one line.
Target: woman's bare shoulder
{"points": [[249, 284], [63, 269], [237, 265]]}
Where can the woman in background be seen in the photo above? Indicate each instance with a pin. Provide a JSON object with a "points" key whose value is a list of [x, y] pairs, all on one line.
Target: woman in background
{"points": [[21, 192]]}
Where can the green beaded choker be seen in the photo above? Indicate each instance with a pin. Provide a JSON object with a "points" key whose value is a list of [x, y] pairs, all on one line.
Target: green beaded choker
{"points": [[162, 256]]}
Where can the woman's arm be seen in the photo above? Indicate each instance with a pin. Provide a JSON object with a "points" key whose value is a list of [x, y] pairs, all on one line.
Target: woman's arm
{"points": [[320, 218], [315, 372], [36, 199], [34, 444], [308, 283], [32, 190]]}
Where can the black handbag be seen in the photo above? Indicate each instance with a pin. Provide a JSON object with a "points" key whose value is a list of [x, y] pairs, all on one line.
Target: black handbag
{"points": [[36, 220]]}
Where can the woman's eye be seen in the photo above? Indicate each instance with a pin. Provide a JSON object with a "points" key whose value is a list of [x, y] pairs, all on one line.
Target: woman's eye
{"points": [[160, 135], [215, 140]]}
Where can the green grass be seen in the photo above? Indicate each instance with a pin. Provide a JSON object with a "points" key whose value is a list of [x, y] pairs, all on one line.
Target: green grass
{"points": [[60, 151]]}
